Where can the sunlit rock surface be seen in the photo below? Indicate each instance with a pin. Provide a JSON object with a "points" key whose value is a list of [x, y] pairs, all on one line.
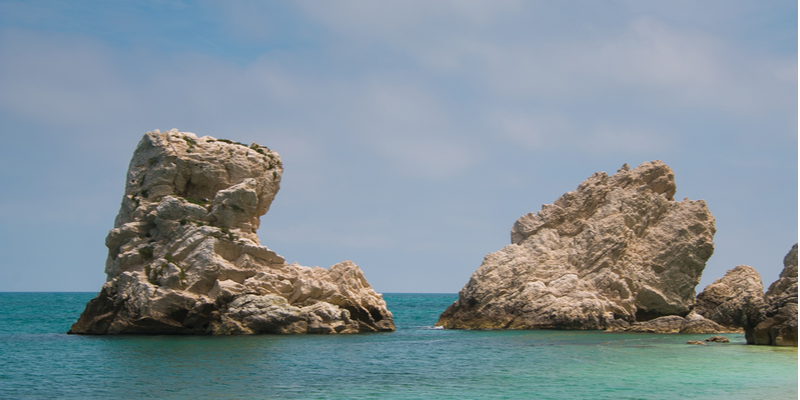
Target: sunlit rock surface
{"points": [[616, 251], [184, 257]]}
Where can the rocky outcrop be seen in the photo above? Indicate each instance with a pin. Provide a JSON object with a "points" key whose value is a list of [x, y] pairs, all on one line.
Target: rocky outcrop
{"points": [[184, 257], [726, 300], [672, 324], [616, 251], [774, 322]]}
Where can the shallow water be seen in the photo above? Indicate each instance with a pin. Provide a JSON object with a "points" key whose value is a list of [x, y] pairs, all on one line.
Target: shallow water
{"points": [[39, 361]]}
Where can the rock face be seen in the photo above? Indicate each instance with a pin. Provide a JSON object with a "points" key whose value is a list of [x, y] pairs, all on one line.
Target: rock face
{"points": [[615, 251], [727, 299], [718, 339], [774, 321], [673, 324], [184, 257]]}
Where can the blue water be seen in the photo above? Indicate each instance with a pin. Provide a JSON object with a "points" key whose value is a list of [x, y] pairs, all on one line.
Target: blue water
{"points": [[39, 361]]}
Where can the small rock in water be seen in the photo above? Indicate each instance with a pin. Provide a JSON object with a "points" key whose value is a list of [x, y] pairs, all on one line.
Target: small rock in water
{"points": [[718, 339], [695, 342]]}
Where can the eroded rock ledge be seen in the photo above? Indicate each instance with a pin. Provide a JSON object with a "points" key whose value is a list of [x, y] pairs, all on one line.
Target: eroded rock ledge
{"points": [[615, 252], [184, 257]]}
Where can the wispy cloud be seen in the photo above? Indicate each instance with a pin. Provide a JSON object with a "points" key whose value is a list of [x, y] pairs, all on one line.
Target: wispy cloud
{"points": [[414, 107]]}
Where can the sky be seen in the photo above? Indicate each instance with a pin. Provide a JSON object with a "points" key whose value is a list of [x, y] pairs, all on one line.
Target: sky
{"points": [[413, 133]]}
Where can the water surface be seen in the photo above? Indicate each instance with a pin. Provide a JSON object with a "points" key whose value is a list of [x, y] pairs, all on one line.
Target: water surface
{"points": [[39, 361]]}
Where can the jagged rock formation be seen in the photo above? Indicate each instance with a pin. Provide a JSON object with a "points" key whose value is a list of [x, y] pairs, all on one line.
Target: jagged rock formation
{"points": [[184, 257], [726, 300], [774, 321], [615, 251], [692, 323]]}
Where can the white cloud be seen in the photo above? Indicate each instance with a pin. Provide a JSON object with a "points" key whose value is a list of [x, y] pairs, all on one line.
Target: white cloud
{"points": [[369, 103], [364, 234], [655, 59], [407, 126], [555, 132], [62, 80], [399, 22], [626, 140], [689, 68], [537, 131], [427, 158]]}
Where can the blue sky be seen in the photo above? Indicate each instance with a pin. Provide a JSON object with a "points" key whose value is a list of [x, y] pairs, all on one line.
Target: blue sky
{"points": [[413, 133]]}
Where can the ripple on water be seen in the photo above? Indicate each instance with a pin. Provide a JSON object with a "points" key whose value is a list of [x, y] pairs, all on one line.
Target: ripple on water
{"points": [[416, 361]]}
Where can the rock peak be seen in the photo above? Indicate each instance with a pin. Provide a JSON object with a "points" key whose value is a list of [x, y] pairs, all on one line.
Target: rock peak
{"points": [[210, 181], [654, 176], [570, 211]]}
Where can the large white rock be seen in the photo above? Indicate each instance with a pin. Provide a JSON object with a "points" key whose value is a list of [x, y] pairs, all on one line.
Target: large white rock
{"points": [[184, 256], [615, 251]]}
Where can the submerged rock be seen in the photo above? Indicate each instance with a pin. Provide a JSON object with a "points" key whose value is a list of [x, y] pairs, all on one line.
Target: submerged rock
{"points": [[615, 251], [184, 257], [774, 321]]}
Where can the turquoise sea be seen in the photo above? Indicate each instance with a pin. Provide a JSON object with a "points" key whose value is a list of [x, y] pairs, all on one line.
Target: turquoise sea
{"points": [[39, 361]]}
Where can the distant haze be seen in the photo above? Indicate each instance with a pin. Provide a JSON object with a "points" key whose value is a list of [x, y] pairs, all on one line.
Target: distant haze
{"points": [[413, 133]]}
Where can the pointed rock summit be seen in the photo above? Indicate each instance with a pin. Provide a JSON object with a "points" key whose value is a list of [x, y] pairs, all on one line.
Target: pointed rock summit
{"points": [[615, 251], [184, 257]]}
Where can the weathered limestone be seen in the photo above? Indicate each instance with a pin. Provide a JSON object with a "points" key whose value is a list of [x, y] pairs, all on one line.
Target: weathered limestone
{"points": [[774, 322], [673, 324], [615, 251], [726, 300], [184, 257]]}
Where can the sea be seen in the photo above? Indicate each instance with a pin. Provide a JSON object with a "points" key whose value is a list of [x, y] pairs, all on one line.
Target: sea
{"points": [[38, 360]]}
